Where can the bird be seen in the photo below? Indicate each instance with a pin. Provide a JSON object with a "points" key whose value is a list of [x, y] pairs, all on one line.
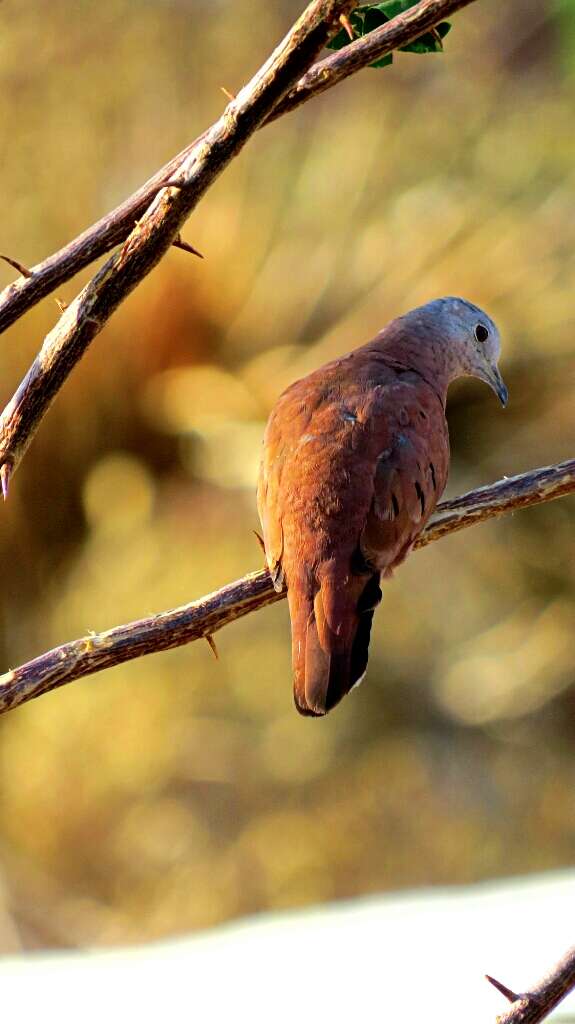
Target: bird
{"points": [[355, 458]]}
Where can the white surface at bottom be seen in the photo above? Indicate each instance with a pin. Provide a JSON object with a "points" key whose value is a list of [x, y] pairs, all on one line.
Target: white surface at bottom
{"points": [[417, 957]]}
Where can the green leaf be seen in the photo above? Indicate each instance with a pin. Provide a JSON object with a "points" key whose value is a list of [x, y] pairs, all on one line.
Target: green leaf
{"points": [[430, 42], [368, 17], [383, 61], [393, 7], [363, 20]]}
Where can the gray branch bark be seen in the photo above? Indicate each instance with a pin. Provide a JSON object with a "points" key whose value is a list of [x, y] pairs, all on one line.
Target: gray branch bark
{"points": [[535, 1005], [204, 617]]}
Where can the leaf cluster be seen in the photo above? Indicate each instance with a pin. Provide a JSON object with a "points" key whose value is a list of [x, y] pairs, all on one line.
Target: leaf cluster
{"points": [[371, 16]]}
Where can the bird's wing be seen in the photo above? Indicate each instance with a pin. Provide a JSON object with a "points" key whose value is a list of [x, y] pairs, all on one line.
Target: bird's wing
{"points": [[409, 474], [283, 429], [345, 486], [268, 504]]}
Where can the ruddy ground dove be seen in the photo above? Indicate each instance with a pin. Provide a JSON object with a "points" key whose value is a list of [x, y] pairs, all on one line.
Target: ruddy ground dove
{"points": [[355, 458]]}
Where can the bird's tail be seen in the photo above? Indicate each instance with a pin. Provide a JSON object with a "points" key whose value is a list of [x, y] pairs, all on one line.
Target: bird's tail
{"points": [[331, 626]]}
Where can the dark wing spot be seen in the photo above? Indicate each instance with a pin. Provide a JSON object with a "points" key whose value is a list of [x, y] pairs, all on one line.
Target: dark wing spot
{"points": [[423, 414], [360, 564], [395, 506], [421, 496], [432, 470], [371, 595]]}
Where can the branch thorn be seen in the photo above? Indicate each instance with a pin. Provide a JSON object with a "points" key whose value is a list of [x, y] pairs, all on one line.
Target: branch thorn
{"points": [[260, 540], [17, 266], [180, 244], [212, 644], [347, 25], [227, 93], [5, 471], [507, 992]]}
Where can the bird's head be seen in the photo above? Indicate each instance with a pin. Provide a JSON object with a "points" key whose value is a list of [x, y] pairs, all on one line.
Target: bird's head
{"points": [[468, 339]]}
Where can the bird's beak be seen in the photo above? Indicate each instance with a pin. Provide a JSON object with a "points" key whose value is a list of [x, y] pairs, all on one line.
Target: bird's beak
{"points": [[496, 382]]}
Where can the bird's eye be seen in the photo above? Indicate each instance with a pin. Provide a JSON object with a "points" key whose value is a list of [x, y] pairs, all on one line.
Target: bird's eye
{"points": [[481, 332]]}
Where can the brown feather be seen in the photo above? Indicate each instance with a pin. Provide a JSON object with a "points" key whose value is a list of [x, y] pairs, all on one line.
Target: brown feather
{"points": [[355, 459]]}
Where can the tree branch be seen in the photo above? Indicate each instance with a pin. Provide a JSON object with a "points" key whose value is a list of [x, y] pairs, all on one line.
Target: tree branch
{"points": [[533, 1006], [202, 618], [160, 225], [114, 227], [402, 29]]}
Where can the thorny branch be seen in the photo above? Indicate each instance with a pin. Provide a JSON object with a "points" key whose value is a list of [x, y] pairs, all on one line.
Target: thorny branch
{"points": [[114, 227], [535, 1005], [204, 617], [281, 84], [160, 225]]}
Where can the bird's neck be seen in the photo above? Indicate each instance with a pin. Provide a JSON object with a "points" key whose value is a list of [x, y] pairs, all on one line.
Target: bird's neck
{"points": [[425, 356]]}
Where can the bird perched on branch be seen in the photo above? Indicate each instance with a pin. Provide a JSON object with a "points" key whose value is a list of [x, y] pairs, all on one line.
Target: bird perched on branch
{"points": [[355, 459]]}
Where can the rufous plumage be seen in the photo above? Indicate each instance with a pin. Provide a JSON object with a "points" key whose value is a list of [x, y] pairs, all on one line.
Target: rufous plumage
{"points": [[355, 459]]}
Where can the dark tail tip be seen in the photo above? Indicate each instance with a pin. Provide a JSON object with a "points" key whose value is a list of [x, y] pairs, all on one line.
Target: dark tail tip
{"points": [[330, 675]]}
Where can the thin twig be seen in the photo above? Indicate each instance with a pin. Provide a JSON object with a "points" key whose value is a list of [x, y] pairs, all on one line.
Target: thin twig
{"points": [[156, 230], [204, 617], [115, 226], [535, 1005]]}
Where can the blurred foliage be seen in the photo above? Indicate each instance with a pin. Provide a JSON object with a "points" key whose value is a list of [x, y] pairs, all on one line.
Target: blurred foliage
{"points": [[564, 11], [176, 792]]}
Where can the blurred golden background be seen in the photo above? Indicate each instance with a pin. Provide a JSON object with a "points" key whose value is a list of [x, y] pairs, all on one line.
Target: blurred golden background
{"points": [[177, 792]]}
